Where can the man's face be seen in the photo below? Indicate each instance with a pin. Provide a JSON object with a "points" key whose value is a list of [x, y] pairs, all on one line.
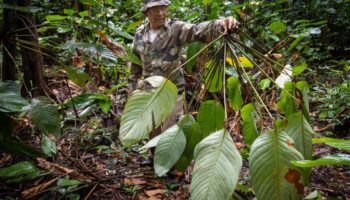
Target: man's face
{"points": [[157, 15]]}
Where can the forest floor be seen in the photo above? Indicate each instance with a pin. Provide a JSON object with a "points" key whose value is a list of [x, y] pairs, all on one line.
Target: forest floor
{"points": [[105, 170]]}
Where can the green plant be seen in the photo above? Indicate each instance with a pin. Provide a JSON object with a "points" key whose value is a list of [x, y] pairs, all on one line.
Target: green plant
{"points": [[44, 115], [215, 157]]}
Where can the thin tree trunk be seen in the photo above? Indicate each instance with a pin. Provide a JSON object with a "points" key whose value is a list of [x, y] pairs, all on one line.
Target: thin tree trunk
{"points": [[9, 70], [32, 61]]}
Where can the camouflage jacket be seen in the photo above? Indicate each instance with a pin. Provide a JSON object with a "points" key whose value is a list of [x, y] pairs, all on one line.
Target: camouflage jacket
{"points": [[162, 56]]}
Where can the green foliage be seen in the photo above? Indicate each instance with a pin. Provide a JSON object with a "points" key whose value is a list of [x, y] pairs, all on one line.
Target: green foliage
{"points": [[16, 148], [146, 110], [265, 83], [210, 117], [299, 69], [302, 88], [78, 76], [234, 93], [342, 144], [48, 146], [193, 136], [46, 117], [333, 100], [270, 169], [287, 103], [85, 101], [169, 149], [306, 33], [192, 49], [250, 131], [301, 132], [20, 172], [10, 99], [217, 167], [277, 27], [213, 77], [18, 169], [67, 186], [336, 159]]}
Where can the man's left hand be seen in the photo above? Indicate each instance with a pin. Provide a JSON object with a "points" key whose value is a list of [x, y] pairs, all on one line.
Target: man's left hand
{"points": [[229, 24]]}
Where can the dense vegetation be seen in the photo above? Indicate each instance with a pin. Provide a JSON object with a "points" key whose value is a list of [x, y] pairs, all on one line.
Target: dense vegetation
{"points": [[267, 106]]}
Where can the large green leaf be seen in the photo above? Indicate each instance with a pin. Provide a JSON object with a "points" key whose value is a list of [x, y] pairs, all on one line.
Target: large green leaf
{"points": [[46, 117], [217, 167], [250, 131], [272, 174], [92, 49], [234, 93], [287, 104], [210, 117], [192, 50], [18, 169], [193, 136], [104, 101], [78, 76], [337, 143], [300, 130], [169, 149], [146, 110], [48, 146], [150, 144], [10, 98], [213, 77], [18, 148], [337, 159]]}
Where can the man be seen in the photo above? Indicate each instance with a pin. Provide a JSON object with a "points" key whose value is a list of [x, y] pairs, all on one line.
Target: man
{"points": [[159, 44]]}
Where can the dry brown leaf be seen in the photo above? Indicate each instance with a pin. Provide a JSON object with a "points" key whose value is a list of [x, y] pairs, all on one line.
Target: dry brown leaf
{"points": [[37, 189], [142, 197], [73, 86], [239, 145], [5, 159], [277, 55], [134, 181], [154, 193], [61, 169]]}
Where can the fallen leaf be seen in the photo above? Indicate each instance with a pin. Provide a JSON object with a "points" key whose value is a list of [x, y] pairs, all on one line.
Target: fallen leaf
{"points": [[31, 192], [277, 55], [154, 193], [61, 169], [239, 145], [134, 181]]}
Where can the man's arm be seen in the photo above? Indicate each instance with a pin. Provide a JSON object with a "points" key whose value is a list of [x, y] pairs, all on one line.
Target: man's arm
{"points": [[205, 31]]}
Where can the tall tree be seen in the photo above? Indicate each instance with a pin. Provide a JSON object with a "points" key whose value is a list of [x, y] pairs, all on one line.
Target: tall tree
{"points": [[32, 60], [8, 35]]}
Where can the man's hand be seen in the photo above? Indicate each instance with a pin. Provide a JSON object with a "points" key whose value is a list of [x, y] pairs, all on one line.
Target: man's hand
{"points": [[229, 24]]}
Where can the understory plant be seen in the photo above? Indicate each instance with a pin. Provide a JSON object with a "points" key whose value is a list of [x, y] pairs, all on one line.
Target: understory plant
{"points": [[278, 134]]}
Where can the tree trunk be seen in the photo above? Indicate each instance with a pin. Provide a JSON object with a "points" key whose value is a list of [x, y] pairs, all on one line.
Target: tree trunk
{"points": [[9, 68], [32, 61]]}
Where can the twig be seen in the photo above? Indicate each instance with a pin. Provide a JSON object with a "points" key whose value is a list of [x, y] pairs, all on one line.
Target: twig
{"points": [[91, 191], [71, 97]]}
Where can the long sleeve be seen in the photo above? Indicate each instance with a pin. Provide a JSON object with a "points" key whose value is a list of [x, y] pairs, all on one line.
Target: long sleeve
{"points": [[202, 32]]}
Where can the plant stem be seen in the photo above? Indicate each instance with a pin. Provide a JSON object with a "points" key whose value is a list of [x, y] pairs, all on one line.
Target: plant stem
{"points": [[249, 81]]}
